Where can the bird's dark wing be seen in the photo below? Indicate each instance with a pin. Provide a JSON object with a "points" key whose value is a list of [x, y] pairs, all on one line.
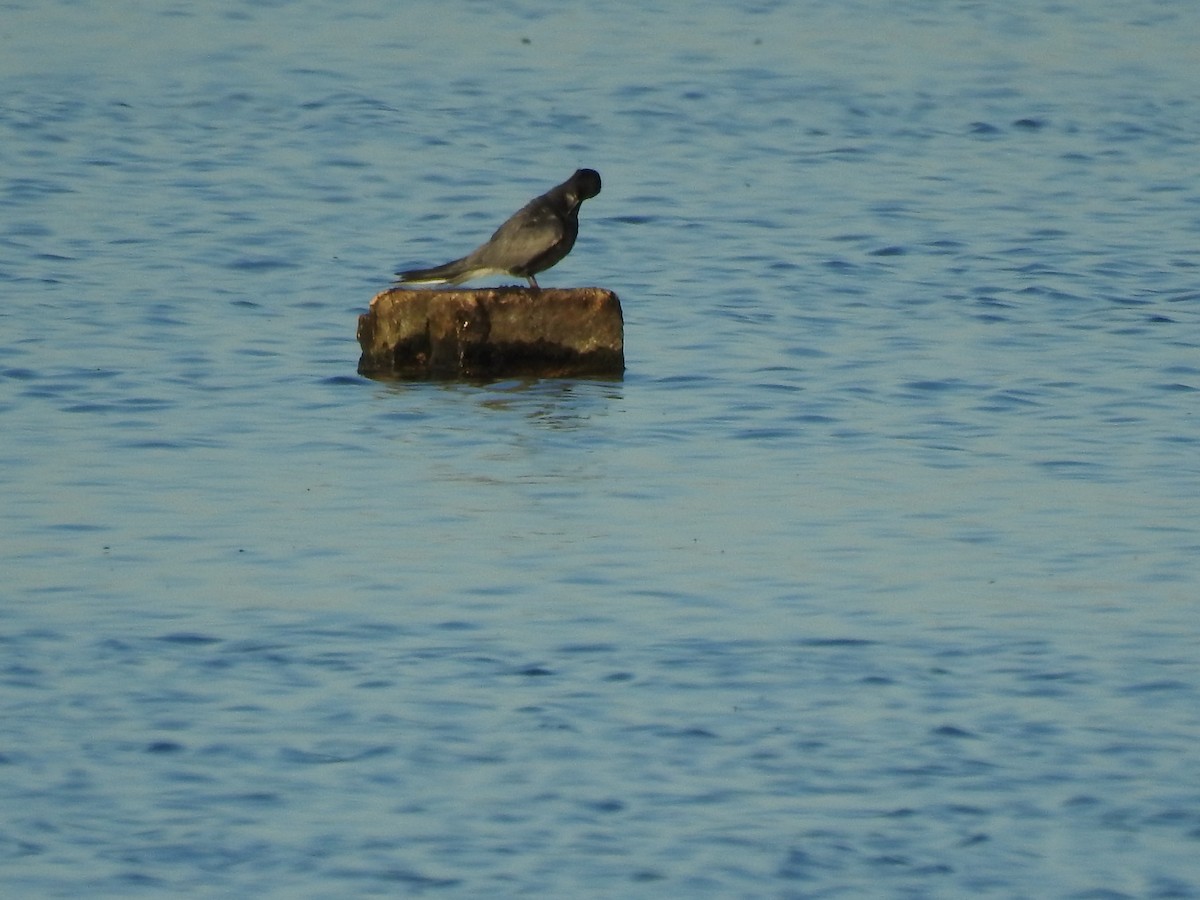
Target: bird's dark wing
{"points": [[526, 236]]}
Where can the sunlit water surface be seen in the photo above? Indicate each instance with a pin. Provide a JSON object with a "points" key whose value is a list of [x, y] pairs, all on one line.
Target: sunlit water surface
{"points": [[876, 575]]}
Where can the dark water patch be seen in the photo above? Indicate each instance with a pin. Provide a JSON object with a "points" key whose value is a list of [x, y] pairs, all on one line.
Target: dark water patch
{"points": [[1072, 468], [1011, 401], [953, 731], [946, 245], [161, 748], [813, 419], [457, 625], [190, 639], [1160, 686], [78, 527], [21, 675], [335, 755], [604, 648], [261, 264], [19, 374], [157, 444], [780, 387], [765, 434], [607, 806], [534, 671], [22, 190], [1176, 388], [410, 879], [634, 219], [346, 381], [841, 266], [938, 386]]}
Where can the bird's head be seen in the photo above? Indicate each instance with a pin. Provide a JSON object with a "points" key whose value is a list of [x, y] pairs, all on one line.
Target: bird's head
{"points": [[586, 183]]}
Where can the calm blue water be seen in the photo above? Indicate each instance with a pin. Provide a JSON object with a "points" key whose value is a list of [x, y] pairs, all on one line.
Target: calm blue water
{"points": [[877, 575]]}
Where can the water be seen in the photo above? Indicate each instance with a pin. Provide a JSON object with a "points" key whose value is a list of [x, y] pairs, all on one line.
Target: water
{"points": [[875, 576]]}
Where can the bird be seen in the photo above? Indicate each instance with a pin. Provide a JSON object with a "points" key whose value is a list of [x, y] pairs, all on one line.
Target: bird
{"points": [[532, 240]]}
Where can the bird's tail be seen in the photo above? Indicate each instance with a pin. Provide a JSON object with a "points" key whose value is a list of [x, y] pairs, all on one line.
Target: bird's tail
{"points": [[450, 273]]}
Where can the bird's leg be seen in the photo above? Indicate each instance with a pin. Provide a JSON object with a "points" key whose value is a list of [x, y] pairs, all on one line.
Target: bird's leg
{"points": [[533, 283]]}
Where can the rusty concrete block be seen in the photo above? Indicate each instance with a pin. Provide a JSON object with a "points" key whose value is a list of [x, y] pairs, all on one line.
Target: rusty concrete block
{"points": [[492, 332]]}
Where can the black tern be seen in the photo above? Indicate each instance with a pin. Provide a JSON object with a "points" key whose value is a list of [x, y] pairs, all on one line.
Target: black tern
{"points": [[534, 238]]}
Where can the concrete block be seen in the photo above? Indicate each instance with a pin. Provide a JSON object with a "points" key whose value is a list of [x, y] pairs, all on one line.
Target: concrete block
{"points": [[492, 332]]}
